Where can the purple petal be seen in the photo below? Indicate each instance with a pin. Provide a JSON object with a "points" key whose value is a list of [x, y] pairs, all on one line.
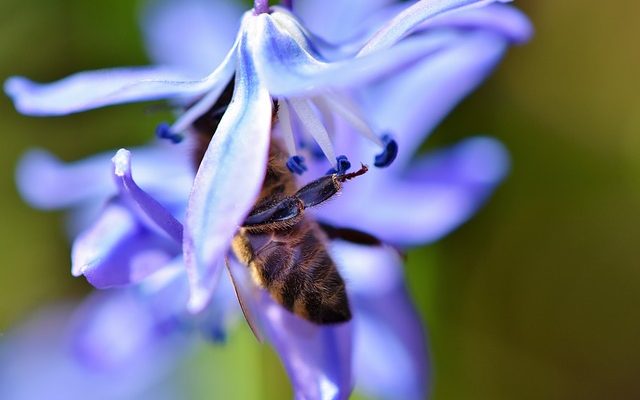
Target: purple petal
{"points": [[222, 313], [337, 22], [99, 326], [422, 96], [136, 257], [248, 295], [411, 17], [166, 293], [46, 182], [117, 251], [317, 358], [36, 362], [505, 20], [228, 180], [390, 358], [131, 192], [289, 66], [87, 90], [165, 172], [115, 225], [115, 330], [192, 35], [440, 193]]}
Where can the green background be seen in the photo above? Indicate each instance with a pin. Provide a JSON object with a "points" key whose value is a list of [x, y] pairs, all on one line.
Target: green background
{"points": [[536, 298]]}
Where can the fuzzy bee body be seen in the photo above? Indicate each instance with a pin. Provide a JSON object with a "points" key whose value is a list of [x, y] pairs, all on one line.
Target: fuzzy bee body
{"points": [[289, 258]]}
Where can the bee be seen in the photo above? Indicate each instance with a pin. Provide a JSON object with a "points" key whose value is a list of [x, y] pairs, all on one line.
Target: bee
{"points": [[284, 249]]}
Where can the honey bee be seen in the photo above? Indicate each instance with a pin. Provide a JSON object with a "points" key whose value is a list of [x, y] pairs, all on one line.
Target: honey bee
{"points": [[284, 249]]}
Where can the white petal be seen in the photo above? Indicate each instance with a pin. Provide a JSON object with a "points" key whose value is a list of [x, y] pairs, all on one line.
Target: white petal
{"points": [[411, 17], [228, 180]]}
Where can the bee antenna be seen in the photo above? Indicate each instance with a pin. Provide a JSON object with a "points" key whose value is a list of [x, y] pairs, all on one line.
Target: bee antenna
{"points": [[345, 177]]}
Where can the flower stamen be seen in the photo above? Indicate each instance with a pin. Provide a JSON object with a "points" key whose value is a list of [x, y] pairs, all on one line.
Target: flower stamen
{"points": [[200, 108], [313, 126], [324, 108], [286, 129], [389, 153], [342, 166], [296, 165], [316, 117], [164, 131], [347, 110]]}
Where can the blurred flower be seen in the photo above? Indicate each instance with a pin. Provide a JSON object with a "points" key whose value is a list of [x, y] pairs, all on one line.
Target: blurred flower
{"points": [[432, 63], [75, 354]]}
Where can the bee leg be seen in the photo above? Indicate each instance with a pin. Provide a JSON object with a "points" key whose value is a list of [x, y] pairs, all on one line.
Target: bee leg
{"points": [[322, 189], [274, 216], [287, 212], [319, 191], [357, 237]]}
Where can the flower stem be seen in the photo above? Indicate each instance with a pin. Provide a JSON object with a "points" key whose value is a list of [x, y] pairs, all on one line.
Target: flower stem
{"points": [[261, 6]]}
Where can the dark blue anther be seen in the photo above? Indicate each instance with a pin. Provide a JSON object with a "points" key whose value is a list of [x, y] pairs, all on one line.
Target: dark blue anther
{"points": [[342, 166], [389, 153], [163, 131], [296, 165]]}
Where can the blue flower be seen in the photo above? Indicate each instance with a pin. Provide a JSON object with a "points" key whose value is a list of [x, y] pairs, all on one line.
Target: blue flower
{"points": [[429, 64], [273, 56]]}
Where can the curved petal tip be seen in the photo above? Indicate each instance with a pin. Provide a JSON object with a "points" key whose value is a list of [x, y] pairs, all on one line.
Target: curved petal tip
{"points": [[484, 159], [122, 162], [16, 85], [198, 299], [31, 178], [522, 27]]}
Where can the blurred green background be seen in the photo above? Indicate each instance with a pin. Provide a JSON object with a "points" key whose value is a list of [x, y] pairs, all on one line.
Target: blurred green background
{"points": [[538, 297]]}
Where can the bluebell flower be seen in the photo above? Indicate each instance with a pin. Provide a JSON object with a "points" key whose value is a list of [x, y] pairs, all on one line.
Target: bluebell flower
{"points": [[273, 56], [429, 65]]}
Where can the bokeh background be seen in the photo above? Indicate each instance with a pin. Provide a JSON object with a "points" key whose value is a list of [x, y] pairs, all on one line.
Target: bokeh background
{"points": [[537, 297]]}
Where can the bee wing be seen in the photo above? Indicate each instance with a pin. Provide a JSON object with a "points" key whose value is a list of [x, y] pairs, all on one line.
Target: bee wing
{"points": [[349, 234], [247, 297], [356, 236]]}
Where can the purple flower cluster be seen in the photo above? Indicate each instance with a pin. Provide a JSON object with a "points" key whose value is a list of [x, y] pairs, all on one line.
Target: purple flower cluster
{"points": [[367, 79]]}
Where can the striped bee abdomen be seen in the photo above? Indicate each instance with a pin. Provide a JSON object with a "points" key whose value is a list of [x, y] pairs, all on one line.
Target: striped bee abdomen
{"points": [[296, 269]]}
